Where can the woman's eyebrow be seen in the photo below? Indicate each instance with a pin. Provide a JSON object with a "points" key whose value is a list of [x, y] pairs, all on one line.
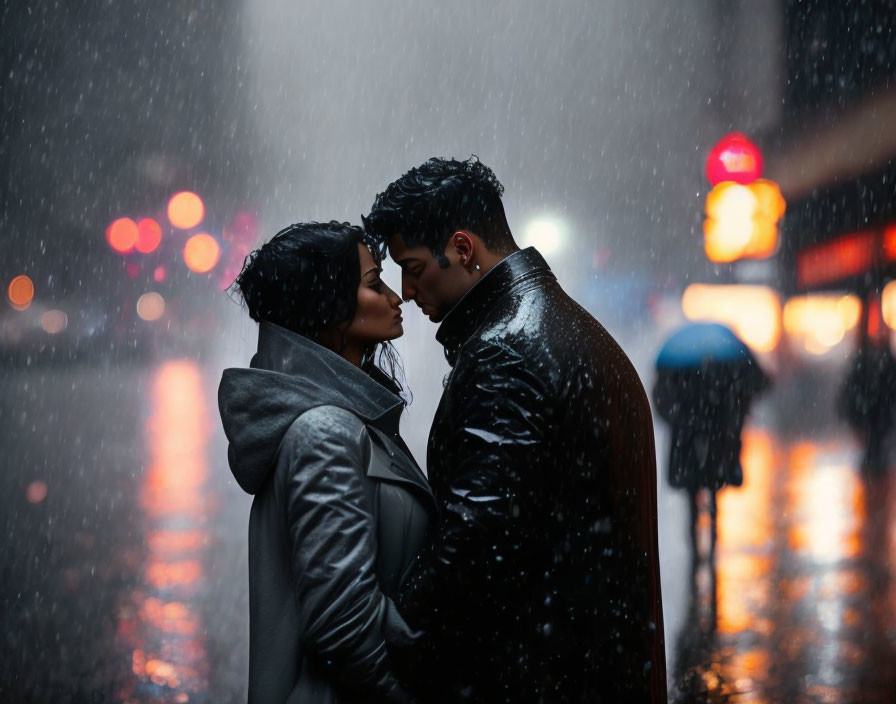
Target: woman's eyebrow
{"points": [[375, 269]]}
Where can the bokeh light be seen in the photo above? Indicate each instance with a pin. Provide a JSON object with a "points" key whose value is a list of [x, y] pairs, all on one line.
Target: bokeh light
{"points": [[159, 274], [820, 322], [201, 253], [544, 234], [122, 235], [151, 306], [185, 210], [888, 305], [54, 321], [149, 236], [20, 292], [36, 492], [890, 243], [753, 312]]}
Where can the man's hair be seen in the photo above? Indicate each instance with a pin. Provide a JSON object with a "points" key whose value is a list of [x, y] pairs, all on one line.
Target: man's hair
{"points": [[434, 200]]}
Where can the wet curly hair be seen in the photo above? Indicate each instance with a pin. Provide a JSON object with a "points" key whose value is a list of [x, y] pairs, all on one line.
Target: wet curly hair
{"points": [[432, 201], [306, 279]]}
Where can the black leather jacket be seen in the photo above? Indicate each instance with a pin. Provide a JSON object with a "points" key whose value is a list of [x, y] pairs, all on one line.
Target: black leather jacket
{"points": [[543, 583], [340, 510]]}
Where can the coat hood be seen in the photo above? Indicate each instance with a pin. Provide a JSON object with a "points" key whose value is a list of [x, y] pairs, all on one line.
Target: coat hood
{"points": [[289, 375]]}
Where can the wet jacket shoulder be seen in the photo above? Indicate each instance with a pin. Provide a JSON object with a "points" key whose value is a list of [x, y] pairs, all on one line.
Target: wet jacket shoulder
{"points": [[541, 457], [315, 440]]}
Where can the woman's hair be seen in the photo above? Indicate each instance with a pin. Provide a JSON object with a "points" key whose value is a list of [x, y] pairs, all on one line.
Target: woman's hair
{"points": [[306, 279]]}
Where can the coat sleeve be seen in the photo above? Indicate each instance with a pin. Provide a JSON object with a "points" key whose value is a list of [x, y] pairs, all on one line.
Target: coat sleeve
{"points": [[342, 612], [500, 420]]}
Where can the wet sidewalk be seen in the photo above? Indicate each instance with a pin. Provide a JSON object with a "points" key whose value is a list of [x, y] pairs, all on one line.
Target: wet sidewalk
{"points": [[801, 604]]}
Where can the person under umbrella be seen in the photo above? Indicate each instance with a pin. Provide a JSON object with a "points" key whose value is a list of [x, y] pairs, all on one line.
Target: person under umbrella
{"points": [[706, 379]]}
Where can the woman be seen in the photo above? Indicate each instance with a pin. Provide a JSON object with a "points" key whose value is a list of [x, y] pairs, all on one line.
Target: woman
{"points": [[340, 506]]}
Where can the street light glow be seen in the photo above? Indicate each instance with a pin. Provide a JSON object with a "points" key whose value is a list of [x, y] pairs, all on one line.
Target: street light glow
{"points": [[185, 210], [149, 236], [122, 235], [543, 234], [54, 321], [150, 306], [201, 253], [20, 292]]}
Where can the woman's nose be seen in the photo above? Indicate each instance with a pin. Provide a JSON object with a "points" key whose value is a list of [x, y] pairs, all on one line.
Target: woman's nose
{"points": [[394, 299]]}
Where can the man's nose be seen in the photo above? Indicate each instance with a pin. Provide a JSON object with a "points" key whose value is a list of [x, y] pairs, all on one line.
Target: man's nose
{"points": [[407, 290]]}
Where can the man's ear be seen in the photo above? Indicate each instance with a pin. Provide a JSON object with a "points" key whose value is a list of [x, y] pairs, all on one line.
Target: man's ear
{"points": [[463, 244]]}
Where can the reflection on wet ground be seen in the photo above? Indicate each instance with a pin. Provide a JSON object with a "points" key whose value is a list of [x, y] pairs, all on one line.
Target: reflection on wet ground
{"points": [[125, 565], [125, 578], [159, 622], [800, 606]]}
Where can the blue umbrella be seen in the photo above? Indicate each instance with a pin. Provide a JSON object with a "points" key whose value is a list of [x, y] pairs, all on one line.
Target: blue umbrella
{"points": [[695, 343]]}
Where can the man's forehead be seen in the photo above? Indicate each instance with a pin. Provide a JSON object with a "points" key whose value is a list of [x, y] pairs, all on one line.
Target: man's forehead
{"points": [[402, 252]]}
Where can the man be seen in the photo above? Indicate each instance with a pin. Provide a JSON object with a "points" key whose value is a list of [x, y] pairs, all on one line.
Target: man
{"points": [[542, 584]]}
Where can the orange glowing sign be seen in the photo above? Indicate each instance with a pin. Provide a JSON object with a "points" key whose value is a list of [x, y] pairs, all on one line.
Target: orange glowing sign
{"points": [[201, 253], [122, 235], [149, 236], [185, 210], [741, 221], [832, 261], [20, 292], [753, 312]]}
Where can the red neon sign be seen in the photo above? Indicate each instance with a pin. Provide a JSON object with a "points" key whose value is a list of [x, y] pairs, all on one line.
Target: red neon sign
{"points": [[734, 158], [841, 258]]}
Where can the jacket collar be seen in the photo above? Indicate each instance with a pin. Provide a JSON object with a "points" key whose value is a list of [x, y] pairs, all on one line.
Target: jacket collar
{"points": [[468, 313], [337, 381]]}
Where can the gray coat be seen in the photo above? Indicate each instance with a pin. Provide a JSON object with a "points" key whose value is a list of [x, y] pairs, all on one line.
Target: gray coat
{"points": [[340, 510]]}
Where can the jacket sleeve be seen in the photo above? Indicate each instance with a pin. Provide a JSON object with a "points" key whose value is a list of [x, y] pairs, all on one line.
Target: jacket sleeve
{"points": [[342, 613], [500, 420]]}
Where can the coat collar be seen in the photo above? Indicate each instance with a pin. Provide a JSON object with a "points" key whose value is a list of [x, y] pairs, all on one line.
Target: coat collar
{"points": [[333, 379], [468, 313]]}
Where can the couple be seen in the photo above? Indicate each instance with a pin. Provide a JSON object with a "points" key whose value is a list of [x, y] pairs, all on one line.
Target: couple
{"points": [[528, 572]]}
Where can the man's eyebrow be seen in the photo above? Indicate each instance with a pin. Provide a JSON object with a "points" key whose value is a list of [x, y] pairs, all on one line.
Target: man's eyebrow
{"points": [[406, 260]]}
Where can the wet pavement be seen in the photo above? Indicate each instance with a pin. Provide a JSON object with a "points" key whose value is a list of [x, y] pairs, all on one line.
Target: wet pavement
{"points": [[124, 578], [124, 575], [800, 605]]}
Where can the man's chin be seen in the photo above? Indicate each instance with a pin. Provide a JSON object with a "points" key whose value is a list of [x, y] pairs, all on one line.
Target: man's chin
{"points": [[433, 315]]}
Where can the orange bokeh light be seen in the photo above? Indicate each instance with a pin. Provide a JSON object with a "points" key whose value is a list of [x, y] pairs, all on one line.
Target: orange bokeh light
{"points": [[21, 292], [149, 236], [185, 210], [753, 312], [742, 220], [201, 253], [122, 235]]}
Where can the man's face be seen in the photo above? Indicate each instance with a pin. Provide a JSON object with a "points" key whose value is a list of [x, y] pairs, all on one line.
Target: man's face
{"points": [[434, 289]]}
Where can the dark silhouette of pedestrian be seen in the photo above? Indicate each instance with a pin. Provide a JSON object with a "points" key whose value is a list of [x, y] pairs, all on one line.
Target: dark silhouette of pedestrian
{"points": [[706, 379]]}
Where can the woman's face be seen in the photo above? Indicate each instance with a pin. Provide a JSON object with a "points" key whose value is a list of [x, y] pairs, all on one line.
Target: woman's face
{"points": [[378, 315]]}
